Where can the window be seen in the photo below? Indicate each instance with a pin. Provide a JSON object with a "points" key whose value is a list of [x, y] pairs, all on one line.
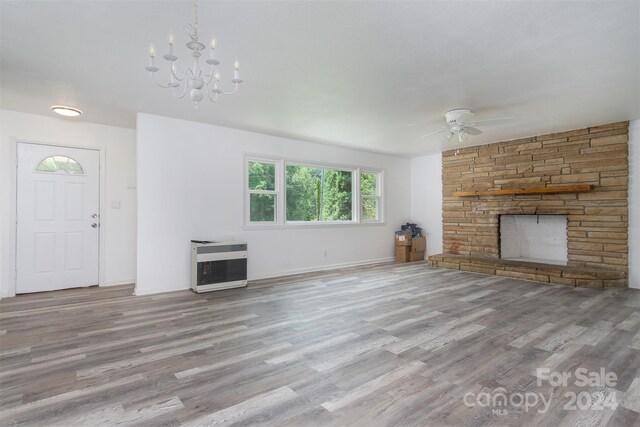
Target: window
{"points": [[263, 197], [64, 164], [319, 194], [283, 193], [370, 196]]}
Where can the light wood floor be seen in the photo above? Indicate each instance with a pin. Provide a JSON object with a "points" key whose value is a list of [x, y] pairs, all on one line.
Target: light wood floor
{"points": [[373, 346]]}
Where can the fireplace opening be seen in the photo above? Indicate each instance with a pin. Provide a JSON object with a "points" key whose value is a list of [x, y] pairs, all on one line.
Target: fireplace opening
{"points": [[534, 238]]}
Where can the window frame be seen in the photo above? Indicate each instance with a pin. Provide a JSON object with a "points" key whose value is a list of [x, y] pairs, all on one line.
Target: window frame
{"points": [[275, 191], [378, 196], [281, 190]]}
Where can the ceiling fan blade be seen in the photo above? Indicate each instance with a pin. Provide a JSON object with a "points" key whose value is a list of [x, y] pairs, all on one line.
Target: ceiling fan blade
{"points": [[434, 133], [472, 131], [488, 122]]}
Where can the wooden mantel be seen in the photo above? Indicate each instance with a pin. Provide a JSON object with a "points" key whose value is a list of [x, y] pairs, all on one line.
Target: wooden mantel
{"points": [[532, 190]]}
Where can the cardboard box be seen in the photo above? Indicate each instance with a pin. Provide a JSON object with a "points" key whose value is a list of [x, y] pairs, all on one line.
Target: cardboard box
{"points": [[419, 244], [416, 256], [403, 253], [403, 238]]}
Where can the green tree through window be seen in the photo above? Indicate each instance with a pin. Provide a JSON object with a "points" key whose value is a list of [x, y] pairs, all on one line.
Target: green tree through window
{"points": [[303, 193], [262, 194], [318, 194], [370, 196]]}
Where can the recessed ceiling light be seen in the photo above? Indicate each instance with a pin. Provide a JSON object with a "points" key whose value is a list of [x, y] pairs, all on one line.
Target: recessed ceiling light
{"points": [[63, 110]]}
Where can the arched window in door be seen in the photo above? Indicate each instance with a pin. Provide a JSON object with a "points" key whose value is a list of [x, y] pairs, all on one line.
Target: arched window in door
{"points": [[53, 164]]}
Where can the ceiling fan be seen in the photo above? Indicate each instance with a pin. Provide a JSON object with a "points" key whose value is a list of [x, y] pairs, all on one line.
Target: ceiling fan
{"points": [[460, 122]]}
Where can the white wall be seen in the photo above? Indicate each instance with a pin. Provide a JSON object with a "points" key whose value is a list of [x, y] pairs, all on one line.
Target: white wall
{"points": [[426, 198], [634, 204], [190, 181], [118, 227]]}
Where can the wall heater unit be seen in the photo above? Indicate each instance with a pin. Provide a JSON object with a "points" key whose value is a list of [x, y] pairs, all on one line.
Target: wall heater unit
{"points": [[218, 265]]}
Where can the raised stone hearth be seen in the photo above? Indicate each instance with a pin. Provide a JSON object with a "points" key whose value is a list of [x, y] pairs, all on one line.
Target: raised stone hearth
{"points": [[597, 219], [548, 273]]}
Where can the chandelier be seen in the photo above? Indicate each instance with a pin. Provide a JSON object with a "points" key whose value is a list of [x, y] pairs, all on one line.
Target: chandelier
{"points": [[194, 79]]}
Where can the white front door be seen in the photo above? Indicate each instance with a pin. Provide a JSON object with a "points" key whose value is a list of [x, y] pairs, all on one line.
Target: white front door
{"points": [[58, 217]]}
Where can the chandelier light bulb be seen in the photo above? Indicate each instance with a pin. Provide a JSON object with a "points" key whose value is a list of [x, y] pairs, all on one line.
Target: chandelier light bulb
{"points": [[217, 76], [152, 50], [214, 43], [236, 65], [171, 38]]}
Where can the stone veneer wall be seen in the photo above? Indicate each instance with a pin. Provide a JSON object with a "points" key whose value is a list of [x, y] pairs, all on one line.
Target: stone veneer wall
{"points": [[597, 220]]}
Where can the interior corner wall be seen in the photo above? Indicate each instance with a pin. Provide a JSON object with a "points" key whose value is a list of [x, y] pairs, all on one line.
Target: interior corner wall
{"points": [[118, 226], [426, 198], [634, 204], [191, 186]]}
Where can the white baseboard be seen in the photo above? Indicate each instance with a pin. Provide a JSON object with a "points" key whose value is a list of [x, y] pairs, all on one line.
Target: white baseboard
{"points": [[285, 273], [323, 268], [137, 293], [124, 282]]}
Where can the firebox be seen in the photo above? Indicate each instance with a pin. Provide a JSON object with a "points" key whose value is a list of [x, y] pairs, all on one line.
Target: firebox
{"points": [[534, 238]]}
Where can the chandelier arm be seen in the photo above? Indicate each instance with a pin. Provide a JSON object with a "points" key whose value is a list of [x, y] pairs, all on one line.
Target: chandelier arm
{"points": [[153, 77], [208, 77], [175, 95], [232, 92], [175, 75]]}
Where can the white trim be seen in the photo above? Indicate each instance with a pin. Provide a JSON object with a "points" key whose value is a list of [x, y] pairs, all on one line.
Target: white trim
{"points": [[13, 208], [119, 283], [379, 196], [137, 293], [286, 273], [302, 225], [323, 268], [275, 192], [280, 193]]}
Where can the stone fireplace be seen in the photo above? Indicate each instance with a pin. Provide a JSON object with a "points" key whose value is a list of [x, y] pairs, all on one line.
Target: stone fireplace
{"points": [[534, 238], [580, 175]]}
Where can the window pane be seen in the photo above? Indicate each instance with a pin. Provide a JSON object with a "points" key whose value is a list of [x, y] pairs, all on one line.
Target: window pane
{"points": [[262, 176], [369, 209], [368, 184], [47, 165], [60, 163], [337, 195], [262, 207], [318, 194], [304, 191]]}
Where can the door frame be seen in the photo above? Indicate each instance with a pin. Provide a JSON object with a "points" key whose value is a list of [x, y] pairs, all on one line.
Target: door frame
{"points": [[13, 199]]}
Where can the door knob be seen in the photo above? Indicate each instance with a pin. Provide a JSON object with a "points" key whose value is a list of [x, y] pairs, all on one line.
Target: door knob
{"points": [[94, 216], [94, 225]]}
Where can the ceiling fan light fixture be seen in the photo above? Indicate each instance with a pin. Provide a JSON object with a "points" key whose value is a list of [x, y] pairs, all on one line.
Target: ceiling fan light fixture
{"points": [[462, 136]]}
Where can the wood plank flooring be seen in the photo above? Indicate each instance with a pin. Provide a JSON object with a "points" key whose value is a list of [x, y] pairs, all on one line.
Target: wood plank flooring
{"points": [[388, 344]]}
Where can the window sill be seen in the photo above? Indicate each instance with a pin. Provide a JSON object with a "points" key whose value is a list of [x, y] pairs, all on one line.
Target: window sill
{"points": [[251, 227]]}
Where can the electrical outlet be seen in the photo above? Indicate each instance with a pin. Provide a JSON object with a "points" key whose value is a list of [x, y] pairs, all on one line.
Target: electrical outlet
{"points": [[115, 204]]}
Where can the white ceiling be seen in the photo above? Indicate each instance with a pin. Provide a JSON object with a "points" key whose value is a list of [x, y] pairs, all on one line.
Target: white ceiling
{"points": [[371, 75]]}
